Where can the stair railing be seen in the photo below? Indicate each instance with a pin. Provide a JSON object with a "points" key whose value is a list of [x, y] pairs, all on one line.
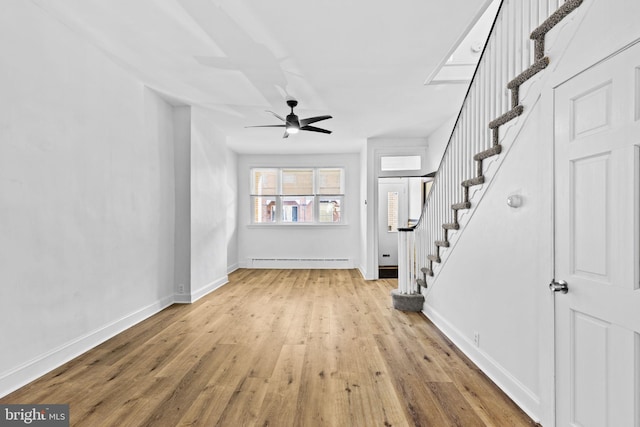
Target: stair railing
{"points": [[475, 139]]}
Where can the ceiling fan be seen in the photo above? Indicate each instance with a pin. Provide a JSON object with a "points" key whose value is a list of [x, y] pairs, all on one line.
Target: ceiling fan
{"points": [[292, 124]]}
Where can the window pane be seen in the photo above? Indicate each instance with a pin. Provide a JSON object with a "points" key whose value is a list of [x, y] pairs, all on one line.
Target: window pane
{"points": [[264, 209], [330, 181], [330, 209], [264, 181], [400, 163], [392, 211], [297, 181], [297, 209]]}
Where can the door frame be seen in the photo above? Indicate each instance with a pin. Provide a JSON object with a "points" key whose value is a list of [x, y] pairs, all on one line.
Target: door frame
{"points": [[374, 151], [549, 126]]}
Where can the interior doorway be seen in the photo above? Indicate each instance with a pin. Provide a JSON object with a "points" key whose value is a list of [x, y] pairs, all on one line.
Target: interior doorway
{"points": [[400, 201]]}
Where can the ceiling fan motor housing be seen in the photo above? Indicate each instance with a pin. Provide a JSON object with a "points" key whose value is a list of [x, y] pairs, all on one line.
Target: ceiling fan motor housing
{"points": [[292, 121]]}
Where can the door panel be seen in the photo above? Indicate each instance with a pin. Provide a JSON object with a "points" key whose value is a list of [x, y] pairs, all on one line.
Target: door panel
{"points": [[589, 368], [591, 111], [589, 212], [597, 239]]}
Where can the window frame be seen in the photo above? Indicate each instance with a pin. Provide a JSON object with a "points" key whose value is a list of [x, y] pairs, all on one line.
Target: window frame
{"points": [[315, 196]]}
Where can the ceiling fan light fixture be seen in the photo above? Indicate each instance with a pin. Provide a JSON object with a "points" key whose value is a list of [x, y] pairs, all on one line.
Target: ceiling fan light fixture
{"points": [[292, 124]]}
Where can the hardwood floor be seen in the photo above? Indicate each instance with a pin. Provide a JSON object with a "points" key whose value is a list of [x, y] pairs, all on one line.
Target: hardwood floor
{"points": [[279, 348]]}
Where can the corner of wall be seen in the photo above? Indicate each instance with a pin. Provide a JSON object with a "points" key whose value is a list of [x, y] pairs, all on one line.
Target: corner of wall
{"points": [[33, 369]]}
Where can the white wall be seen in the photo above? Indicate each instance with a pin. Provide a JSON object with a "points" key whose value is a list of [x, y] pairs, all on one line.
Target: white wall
{"points": [[231, 198], [104, 189], [437, 143], [211, 199], [495, 281], [86, 196], [365, 198], [414, 191], [206, 205], [182, 178], [300, 241]]}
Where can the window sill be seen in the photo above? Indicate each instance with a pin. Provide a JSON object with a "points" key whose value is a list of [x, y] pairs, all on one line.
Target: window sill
{"points": [[293, 225]]}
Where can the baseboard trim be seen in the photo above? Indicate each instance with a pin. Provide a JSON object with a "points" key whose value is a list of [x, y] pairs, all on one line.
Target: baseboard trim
{"points": [[199, 293], [526, 399], [182, 299], [363, 272], [40, 365], [233, 267], [300, 263]]}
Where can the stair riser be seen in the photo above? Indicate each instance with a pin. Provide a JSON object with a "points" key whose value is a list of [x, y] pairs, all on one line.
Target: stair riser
{"points": [[564, 10], [538, 66], [506, 117]]}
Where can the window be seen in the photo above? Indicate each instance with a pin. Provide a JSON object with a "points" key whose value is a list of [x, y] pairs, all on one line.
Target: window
{"points": [[297, 195], [400, 163], [392, 211]]}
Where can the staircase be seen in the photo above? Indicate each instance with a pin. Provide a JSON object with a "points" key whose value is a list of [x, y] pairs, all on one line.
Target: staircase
{"points": [[516, 42]]}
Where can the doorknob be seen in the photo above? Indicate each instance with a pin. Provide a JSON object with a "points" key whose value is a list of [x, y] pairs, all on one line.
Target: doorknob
{"points": [[559, 286]]}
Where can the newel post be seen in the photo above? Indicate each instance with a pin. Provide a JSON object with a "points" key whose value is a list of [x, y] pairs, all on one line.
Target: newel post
{"points": [[407, 297], [405, 268]]}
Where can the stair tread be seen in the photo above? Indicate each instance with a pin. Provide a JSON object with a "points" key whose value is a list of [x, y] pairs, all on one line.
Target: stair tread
{"points": [[442, 243], [506, 117], [557, 16], [451, 226], [462, 205], [434, 258], [427, 271], [421, 283], [473, 181], [534, 69], [493, 151]]}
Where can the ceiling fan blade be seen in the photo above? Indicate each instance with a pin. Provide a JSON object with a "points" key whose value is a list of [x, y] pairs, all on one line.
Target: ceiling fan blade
{"points": [[266, 126], [309, 120], [278, 116], [315, 129]]}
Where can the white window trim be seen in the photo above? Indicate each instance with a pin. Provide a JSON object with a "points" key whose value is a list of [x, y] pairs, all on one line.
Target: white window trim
{"points": [[316, 197]]}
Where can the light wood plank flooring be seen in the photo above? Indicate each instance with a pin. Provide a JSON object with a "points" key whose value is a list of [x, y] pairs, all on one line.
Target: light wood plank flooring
{"points": [[279, 348]]}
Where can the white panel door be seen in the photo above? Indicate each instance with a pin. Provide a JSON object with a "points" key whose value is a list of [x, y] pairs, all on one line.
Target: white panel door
{"points": [[597, 323], [394, 190]]}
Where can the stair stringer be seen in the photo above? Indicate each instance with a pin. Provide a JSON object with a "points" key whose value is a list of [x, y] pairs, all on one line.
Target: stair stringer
{"points": [[476, 195], [559, 40]]}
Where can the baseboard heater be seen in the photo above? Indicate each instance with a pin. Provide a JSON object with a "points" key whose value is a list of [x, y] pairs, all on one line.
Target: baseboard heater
{"points": [[301, 263]]}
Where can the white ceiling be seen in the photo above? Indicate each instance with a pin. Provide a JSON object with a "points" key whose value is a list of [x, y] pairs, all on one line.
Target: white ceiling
{"points": [[363, 61]]}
